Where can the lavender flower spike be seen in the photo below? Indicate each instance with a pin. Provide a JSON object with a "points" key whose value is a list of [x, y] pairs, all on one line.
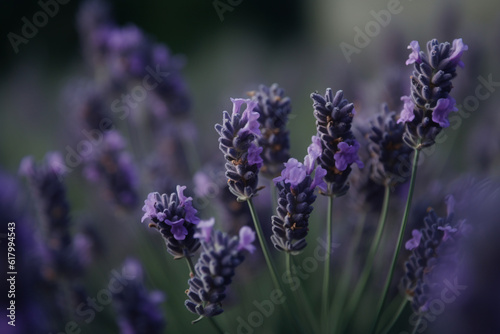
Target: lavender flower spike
{"points": [[215, 270], [175, 218], [339, 148], [434, 260], [426, 110], [273, 108], [238, 141], [296, 187]]}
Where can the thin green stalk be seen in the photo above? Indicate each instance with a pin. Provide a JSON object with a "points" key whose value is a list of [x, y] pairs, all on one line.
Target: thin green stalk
{"points": [[365, 274], [269, 262], [301, 303], [400, 240], [215, 325], [395, 317], [326, 274], [414, 331], [190, 265], [345, 279]]}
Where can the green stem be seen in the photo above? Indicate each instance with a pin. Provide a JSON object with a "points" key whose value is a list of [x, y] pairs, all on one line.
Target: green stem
{"points": [[269, 262], [400, 239], [345, 279], [190, 265], [215, 325], [360, 286], [414, 331], [326, 274], [395, 316], [300, 300]]}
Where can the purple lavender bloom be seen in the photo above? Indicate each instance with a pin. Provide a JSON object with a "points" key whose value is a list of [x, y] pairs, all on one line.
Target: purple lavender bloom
{"points": [[296, 187], [415, 241], [387, 149], [273, 108], [427, 112], [110, 163], [205, 228], [334, 116], [415, 55], [175, 218], [238, 135], [434, 260], [214, 271], [138, 310]]}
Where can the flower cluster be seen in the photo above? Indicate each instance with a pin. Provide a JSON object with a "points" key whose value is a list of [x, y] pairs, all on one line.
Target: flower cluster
{"points": [[426, 110], [388, 151], [138, 310], [296, 187], [112, 164], [339, 148], [215, 268], [175, 218], [435, 257], [238, 134], [273, 108]]}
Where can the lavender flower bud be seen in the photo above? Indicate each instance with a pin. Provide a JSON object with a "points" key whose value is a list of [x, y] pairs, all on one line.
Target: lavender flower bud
{"points": [[387, 149], [175, 218], [112, 164], [237, 141], [426, 110], [434, 259], [296, 187], [138, 310], [339, 148], [273, 108], [215, 269]]}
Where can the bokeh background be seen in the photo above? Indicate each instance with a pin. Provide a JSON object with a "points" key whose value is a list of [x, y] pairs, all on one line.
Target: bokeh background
{"points": [[293, 43]]}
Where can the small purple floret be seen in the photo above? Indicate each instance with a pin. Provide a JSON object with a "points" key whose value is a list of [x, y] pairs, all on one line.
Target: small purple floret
{"points": [[407, 114], [293, 173], [347, 155], [458, 49], [415, 241], [254, 157], [149, 207], [205, 228], [441, 111], [415, 55], [247, 236], [448, 230], [318, 180]]}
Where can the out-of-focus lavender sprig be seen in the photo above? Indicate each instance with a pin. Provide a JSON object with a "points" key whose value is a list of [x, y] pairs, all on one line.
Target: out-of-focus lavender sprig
{"points": [[238, 141], [138, 310], [112, 164], [46, 180], [426, 110], [273, 108], [175, 218], [387, 149], [215, 268], [339, 148], [435, 257], [296, 187]]}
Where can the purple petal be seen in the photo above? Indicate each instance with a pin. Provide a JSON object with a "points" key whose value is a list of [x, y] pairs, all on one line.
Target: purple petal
{"points": [[254, 157], [318, 179], [313, 152], [448, 230], [347, 155], [457, 50], [247, 236], [180, 194], [415, 54], [407, 114], [149, 207], [415, 241], [293, 173], [205, 229], [251, 118], [179, 231], [441, 111], [237, 103]]}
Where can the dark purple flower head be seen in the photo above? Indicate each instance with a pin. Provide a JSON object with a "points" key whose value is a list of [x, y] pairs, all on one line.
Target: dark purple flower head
{"points": [[138, 310], [112, 164], [339, 148], [273, 109], [425, 111], [238, 141], [435, 259], [214, 271], [175, 218]]}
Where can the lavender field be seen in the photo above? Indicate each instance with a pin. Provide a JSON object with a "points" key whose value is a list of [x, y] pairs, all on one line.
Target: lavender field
{"points": [[235, 166]]}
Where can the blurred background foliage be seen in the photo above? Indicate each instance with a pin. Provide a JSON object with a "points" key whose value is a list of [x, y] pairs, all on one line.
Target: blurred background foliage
{"points": [[294, 43]]}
